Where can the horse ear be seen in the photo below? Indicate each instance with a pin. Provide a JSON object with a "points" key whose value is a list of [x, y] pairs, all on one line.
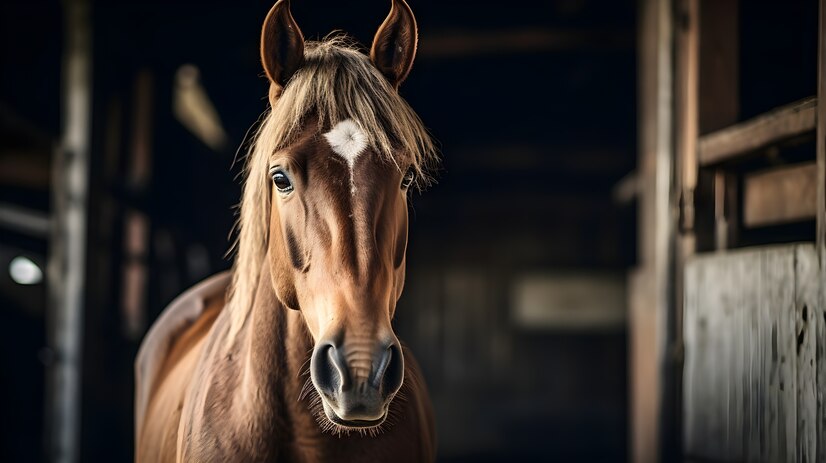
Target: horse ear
{"points": [[394, 46], [282, 45]]}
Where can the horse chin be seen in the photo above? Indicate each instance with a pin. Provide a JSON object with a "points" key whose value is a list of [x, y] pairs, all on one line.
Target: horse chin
{"points": [[340, 424]]}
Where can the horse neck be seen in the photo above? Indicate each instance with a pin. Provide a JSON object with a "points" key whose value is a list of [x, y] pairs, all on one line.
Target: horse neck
{"points": [[276, 351], [276, 423]]}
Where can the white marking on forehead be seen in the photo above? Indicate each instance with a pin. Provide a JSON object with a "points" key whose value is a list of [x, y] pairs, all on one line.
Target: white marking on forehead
{"points": [[348, 141]]}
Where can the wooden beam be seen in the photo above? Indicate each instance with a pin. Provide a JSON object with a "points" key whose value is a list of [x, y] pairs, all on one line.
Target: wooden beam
{"points": [[24, 220], [773, 127], [780, 195]]}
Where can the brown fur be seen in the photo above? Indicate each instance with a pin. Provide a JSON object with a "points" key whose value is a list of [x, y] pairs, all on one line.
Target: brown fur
{"points": [[324, 262], [283, 427], [159, 435]]}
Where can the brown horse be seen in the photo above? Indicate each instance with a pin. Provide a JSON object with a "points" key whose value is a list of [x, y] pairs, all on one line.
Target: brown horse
{"points": [[292, 356]]}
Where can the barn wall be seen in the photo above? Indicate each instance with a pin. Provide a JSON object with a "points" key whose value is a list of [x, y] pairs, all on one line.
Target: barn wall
{"points": [[750, 379]]}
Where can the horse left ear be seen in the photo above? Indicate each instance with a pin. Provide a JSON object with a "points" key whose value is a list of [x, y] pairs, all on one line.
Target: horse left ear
{"points": [[282, 45], [394, 46]]}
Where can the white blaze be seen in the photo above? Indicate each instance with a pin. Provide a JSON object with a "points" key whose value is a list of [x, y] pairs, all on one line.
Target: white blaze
{"points": [[348, 141]]}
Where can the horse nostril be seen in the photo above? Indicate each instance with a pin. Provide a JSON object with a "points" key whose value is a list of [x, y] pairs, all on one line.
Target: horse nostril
{"points": [[328, 370], [390, 373]]}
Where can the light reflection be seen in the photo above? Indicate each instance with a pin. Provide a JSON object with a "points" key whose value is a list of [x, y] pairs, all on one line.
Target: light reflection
{"points": [[24, 271]]}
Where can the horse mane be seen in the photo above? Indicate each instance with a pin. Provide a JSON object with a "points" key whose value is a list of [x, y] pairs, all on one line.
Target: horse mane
{"points": [[337, 81]]}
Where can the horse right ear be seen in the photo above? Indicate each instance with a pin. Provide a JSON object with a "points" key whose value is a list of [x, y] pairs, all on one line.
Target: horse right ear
{"points": [[394, 46], [282, 46]]}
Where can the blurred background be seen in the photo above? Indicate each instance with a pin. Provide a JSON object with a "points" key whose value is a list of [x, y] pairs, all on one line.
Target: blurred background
{"points": [[120, 122]]}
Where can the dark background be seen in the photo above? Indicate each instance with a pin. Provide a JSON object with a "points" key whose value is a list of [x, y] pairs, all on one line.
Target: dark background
{"points": [[534, 107], [533, 104]]}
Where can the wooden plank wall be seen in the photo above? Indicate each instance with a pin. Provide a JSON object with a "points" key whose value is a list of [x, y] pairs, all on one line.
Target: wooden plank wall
{"points": [[751, 380], [809, 303]]}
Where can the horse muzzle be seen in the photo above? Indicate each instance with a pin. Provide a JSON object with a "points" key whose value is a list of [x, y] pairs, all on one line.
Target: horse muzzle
{"points": [[357, 380]]}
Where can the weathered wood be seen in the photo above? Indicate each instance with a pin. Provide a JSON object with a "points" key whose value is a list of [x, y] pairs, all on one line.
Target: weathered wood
{"points": [[649, 298], [720, 225], [820, 395], [66, 271], [775, 126], [820, 144], [706, 98], [741, 348], [726, 205], [750, 375], [686, 108], [780, 195], [808, 287], [644, 367], [820, 240], [718, 106], [686, 118], [819, 313]]}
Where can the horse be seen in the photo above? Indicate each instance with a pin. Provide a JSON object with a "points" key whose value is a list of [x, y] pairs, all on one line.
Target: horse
{"points": [[291, 355]]}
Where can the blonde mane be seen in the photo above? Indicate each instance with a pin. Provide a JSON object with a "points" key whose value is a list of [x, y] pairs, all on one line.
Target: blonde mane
{"points": [[336, 82]]}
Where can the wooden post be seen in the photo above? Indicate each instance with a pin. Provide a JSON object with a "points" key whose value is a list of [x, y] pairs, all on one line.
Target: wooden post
{"points": [[726, 209], [821, 136], [686, 112], [649, 283], [719, 105], [820, 241], [136, 223], [67, 260], [719, 70], [686, 118]]}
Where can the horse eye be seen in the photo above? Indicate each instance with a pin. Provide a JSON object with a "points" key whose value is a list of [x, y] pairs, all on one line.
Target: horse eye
{"points": [[408, 179], [282, 182]]}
